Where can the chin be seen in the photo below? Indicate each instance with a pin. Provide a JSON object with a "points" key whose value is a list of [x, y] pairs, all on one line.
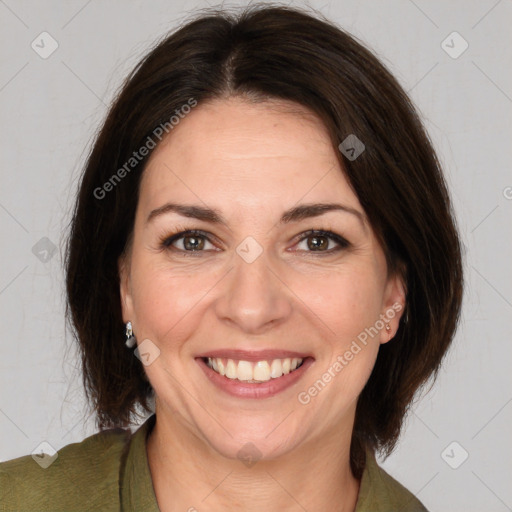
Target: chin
{"points": [[250, 449]]}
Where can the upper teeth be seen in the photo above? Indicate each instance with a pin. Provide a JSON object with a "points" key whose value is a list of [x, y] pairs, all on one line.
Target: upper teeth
{"points": [[257, 372]]}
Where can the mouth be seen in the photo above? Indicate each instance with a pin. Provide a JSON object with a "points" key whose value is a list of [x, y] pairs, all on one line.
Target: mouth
{"points": [[254, 374]]}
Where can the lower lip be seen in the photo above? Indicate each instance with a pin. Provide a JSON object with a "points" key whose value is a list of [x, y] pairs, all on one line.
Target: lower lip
{"points": [[266, 389]]}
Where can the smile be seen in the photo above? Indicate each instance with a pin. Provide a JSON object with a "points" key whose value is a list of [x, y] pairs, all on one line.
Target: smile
{"points": [[253, 372]]}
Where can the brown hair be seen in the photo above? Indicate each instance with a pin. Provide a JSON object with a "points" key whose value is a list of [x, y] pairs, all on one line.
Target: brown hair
{"points": [[275, 53]]}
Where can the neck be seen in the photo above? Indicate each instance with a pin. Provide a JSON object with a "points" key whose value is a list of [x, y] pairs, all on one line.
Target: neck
{"points": [[189, 475]]}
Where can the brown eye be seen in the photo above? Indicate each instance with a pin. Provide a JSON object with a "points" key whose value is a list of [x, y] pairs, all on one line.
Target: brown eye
{"points": [[317, 243], [193, 243], [188, 241], [322, 242]]}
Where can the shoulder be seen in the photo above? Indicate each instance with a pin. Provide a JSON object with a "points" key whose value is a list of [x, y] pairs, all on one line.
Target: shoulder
{"points": [[83, 476], [380, 492]]}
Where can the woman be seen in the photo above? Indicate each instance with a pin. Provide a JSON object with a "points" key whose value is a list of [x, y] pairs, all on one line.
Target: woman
{"points": [[263, 215]]}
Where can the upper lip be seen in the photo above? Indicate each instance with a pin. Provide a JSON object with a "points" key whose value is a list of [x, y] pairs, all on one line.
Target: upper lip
{"points": [[253, 355]]}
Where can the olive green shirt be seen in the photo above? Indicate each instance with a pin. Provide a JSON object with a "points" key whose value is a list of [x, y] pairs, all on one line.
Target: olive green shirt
{"points": [[110, 471]]}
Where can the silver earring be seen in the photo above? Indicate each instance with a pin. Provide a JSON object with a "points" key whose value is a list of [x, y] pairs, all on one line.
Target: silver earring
{"points": [[130, 338]]}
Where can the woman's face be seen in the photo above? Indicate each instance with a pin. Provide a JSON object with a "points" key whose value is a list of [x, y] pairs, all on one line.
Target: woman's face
{"points": [[253, 288]]}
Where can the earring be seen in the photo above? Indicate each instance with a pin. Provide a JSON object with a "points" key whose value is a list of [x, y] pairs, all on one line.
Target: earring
{"points": [[130, 338]]}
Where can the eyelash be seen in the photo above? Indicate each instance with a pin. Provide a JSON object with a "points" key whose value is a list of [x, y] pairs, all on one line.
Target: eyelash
{"points": [[166, 242]]}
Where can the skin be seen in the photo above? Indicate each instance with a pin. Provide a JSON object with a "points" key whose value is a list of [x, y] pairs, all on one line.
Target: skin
{"points": [[251, 162]]}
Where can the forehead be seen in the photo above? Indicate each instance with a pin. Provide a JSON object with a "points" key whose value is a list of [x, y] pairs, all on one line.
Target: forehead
{"points": [[246, 152]]}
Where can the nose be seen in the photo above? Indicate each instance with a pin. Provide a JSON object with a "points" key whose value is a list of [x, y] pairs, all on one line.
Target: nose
{"points": [[254, 297]]}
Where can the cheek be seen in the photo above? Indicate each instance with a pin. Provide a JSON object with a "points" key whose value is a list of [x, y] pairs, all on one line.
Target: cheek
{"points": [[166, 304], [354, 310], [346, 301]]}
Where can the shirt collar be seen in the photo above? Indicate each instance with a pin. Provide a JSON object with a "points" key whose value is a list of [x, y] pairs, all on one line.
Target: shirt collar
{"points": [[137, 491]]}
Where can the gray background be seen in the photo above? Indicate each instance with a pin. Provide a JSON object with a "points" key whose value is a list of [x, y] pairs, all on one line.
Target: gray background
{"points": [[51, 109]]}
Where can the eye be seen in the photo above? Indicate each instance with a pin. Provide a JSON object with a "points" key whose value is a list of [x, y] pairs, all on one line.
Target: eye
{"points": [[188, 241], [197, 241], [322, 242]]}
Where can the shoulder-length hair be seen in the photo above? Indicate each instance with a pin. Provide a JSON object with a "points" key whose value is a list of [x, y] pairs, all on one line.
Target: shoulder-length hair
{"points": [[269, 52]]}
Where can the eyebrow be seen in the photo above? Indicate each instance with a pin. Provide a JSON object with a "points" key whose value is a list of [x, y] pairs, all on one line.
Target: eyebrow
{"points": [[294, 214]]}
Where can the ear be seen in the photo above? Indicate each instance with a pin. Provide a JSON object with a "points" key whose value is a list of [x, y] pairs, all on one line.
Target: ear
{"points": [[393, 306], [123, 265]]}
